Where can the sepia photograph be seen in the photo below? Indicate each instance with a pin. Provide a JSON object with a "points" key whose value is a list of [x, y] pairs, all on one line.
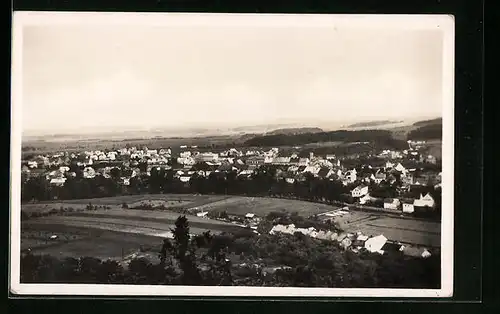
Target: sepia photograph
{"points": [[232, 154]]}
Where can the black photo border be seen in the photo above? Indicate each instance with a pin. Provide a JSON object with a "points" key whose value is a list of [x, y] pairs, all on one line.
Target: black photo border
{"points": [[468, 193]]}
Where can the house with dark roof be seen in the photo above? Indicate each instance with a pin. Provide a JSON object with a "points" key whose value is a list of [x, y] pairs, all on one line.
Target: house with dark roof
{"points": [[379, 177], [301, 169]]}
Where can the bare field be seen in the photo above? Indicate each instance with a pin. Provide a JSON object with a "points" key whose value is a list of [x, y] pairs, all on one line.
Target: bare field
{"points": [[262, 206], [117, 233], [163, 216], [235, 205], [151, 227], [425, 233], [435, 148], [47, 207], [101, 244], [130, 199]]}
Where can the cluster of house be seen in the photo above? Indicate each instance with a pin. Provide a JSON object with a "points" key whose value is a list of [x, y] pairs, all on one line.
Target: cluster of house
{"points": [[362, 192], [413, 153], [290, 168], [355, 242]]}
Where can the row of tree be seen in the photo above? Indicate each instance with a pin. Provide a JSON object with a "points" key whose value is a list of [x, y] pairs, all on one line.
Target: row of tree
{"points": [[427, 132], [243, 259], [262, 183]]}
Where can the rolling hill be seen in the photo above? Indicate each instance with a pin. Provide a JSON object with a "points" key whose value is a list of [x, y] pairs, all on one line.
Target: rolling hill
{"points": [[372, 123], [292, 131]]}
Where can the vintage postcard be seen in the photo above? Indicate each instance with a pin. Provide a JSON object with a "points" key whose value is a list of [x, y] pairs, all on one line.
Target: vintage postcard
{"points": [[166, 154]]}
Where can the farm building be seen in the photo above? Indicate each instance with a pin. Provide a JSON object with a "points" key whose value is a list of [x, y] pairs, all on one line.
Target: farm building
{"points": [[58, 181], [408, 206], [424, 201], [375, 244], [391, 203], [359, 191], [202, 214]]}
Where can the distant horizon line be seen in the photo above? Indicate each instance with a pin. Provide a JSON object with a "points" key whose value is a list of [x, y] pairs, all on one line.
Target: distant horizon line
{"points": [[213, 127]]}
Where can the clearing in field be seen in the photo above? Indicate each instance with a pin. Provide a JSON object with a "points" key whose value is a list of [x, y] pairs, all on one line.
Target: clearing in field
{"points": [[261, 206], [404, 230]]}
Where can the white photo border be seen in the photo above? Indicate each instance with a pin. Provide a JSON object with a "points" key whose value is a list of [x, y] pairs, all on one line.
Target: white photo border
{"points": [[445, 23]]}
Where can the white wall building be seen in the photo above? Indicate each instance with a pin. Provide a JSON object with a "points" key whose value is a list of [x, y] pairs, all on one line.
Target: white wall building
{"points": [[408, 208], [360, 191], [392, 203], [425, 201]]}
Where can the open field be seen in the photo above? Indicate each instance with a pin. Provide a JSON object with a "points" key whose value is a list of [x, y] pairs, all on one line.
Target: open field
{"points": [[150, 223], [434, 148], [240, 205], [418, 232], [129, 199], [235, 205], [107, 234], [78, 242], [117, 233]]}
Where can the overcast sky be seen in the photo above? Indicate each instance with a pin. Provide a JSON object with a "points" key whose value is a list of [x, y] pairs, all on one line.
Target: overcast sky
{"points": [[81, 77]]}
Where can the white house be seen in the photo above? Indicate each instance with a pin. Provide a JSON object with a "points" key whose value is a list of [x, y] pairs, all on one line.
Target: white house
{"points": [[408, 207], [304, 162], [185, 179], [399, 167], [89, 173], [345, 243], [351, 175], [330, 157], [207, 156], [365, 198], [375, 244], [250, 215], [359, 191], [202, 214], [187, 161], [391, 203], [425, 201], [111, 156], [58, 181], [379, 177], [314, 169], [281, 160]]}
